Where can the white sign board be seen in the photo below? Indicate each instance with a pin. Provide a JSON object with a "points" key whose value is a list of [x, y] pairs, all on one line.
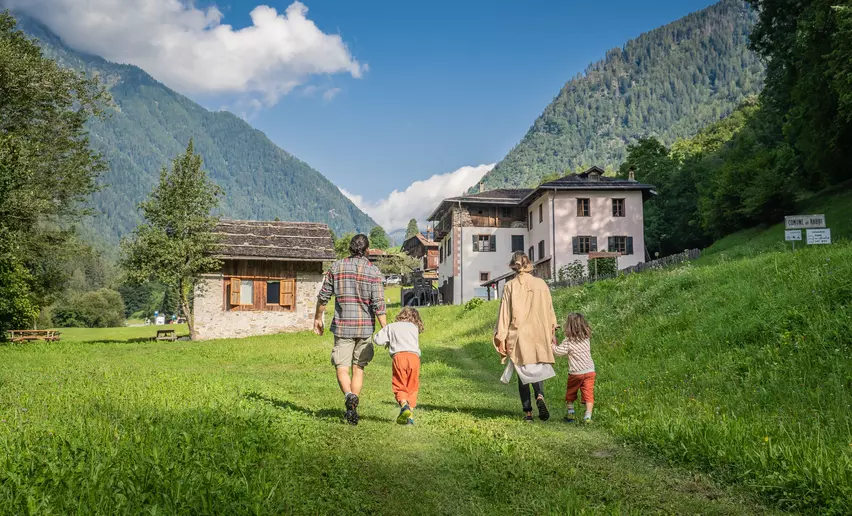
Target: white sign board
{"points": [[804, 221], [161, 320], [793, 235], [819, 236]]}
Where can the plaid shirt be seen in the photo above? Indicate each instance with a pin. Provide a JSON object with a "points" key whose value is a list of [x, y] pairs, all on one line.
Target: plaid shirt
{"points": [[359, 297]]}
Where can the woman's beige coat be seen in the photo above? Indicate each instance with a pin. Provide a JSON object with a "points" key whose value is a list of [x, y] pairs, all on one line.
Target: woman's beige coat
{"points": [[526, 322]]}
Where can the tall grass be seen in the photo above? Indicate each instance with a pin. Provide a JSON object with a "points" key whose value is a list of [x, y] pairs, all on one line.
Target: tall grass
{"points": [[742, 368]]}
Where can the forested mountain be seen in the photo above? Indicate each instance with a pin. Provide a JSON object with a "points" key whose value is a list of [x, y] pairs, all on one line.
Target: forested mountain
{"points": [[151, 124], [668, 83]]}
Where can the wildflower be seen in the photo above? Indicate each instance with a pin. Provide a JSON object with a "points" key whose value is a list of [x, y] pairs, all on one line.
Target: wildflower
{"points": [[766, 438]]}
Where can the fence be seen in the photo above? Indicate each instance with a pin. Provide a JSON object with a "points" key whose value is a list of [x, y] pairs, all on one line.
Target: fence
{"points": [[661, 263]]}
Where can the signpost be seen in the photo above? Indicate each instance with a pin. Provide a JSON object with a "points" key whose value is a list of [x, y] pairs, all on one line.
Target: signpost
{"points": [[819, 236], [804, 221], [814, 226]]}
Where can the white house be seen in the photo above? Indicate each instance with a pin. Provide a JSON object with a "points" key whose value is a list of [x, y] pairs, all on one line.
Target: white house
{"points": [[556, 224]]}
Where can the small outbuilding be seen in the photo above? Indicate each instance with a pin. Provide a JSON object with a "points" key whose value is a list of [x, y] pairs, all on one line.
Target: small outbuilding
{"points": [[270, 277]]}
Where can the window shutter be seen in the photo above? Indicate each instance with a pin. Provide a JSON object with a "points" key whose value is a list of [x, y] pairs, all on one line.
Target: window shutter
{"points": [[629, 245], [288, 293], [493, 243], [235, 291], [575, 242], [594, 244], [475, 243], [610, 242]]}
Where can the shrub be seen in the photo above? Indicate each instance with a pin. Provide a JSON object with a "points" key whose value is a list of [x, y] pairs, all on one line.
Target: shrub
{"points": [[602, 267], [473, 303], [17, 309], [572, 272], [102, 308]]}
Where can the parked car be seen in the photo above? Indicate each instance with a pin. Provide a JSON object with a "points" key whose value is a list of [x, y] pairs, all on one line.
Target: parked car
{"points": [[393, 280]]}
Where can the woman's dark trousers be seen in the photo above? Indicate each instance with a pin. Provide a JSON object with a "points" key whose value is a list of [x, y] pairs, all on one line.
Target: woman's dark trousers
{"points": [[526, 401]]}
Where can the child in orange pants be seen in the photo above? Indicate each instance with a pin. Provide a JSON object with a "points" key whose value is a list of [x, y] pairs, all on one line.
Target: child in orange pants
{"points": [[581, 367], [403, 341]]}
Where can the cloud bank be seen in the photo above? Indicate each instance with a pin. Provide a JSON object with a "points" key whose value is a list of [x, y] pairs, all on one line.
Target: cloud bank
{"points": [[420, 198], [189, 49]]}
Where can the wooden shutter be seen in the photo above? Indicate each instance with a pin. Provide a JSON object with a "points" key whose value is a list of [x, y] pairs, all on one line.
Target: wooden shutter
{"points": [[288, 293], [629, 245], [235, 291], [493, 243], [575, 242], [610, 243], [594, 244], [475, 243]]}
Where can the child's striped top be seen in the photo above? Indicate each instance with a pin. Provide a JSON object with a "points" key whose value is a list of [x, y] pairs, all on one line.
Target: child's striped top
{"points": [[579, 355]]}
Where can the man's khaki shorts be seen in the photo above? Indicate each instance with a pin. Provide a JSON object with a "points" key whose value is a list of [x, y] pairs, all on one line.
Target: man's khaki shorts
{"points": [[347, 352]]}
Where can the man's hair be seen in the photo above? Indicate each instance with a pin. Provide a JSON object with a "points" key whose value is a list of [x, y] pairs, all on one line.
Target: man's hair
{"points": [[358, 246], [412, 316]]}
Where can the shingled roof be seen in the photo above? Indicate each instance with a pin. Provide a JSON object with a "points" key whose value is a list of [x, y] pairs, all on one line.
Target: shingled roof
{"points": [[502, 196], [266, 240]]}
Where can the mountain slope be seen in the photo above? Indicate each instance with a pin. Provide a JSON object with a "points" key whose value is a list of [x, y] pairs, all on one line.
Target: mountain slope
{"points": [[668, 83], [151, 124]]}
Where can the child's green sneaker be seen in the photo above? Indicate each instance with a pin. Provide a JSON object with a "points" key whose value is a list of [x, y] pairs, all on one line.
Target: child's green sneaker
{"points": [[404, 415], [410, 421]]}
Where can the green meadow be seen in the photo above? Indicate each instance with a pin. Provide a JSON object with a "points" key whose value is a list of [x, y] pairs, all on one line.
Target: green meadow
{"points": [[724, 388]]}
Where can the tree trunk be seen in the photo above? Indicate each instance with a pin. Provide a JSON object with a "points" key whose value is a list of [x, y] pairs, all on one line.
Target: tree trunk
{"points": [[187, 310]]}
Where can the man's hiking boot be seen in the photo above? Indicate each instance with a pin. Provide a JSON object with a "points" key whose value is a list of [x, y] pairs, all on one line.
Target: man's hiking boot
{"points": [[543, 413], [404, 416], [351, 414]]}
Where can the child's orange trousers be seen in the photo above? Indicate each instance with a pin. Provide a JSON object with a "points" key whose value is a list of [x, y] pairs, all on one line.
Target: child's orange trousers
{"points": [[406, 377]]}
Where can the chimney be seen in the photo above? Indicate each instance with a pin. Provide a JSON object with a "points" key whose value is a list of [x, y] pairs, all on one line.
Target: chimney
{"points": [[481, 186], [631, 175]]}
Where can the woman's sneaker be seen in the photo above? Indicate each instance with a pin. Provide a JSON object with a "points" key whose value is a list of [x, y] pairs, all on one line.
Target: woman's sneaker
{"points": [[404, 415], [528, 419], [543, 413], [351, 414]]}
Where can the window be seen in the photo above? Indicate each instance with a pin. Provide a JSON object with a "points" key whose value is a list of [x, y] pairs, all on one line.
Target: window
{"points": [[584, 244], [272, 295], [583, 208], [441, 254], [618, 208], [484, 243], [506, 213], [449, 248], [517, 243], [541, 213], [484, 276], [246, 292], [541, 250], [529, 220], [620, 244], [531, 254]]}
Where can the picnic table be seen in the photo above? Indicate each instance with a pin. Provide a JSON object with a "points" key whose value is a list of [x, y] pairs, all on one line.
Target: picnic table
{"points": [[28, 335], [166, 335]]}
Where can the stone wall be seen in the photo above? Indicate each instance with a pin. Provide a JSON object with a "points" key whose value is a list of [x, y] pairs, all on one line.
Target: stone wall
{"points": [[213, 321]]}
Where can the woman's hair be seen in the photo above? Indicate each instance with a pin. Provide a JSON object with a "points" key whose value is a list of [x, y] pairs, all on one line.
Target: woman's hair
{"points": [[411, 315], [520, 262], [576, 328], [358, 246]]}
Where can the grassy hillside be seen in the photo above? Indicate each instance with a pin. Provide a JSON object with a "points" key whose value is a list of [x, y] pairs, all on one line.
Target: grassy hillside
{"points": [[151, 124], [835, 204], [668, 83], [253, 426]]}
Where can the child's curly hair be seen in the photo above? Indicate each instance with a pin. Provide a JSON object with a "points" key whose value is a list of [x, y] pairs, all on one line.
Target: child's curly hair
{"points": [[576, 328], [411, 315]]}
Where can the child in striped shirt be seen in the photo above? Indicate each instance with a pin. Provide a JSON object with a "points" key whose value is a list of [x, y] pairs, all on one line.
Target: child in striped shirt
{"points": [[581, 368]]}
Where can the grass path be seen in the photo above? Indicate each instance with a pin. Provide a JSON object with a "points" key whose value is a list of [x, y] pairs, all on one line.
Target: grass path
{"points": [[253, 426]]}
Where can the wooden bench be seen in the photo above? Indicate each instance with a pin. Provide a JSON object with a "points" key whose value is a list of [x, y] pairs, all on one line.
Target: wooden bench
{"points": [[166, 335], [28, 335]]}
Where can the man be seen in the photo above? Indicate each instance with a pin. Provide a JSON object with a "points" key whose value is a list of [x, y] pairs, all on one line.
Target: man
{"points": [[359, 301]]}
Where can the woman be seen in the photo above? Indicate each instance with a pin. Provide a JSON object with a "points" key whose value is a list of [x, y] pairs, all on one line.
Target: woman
{"points": [[525, 330]]}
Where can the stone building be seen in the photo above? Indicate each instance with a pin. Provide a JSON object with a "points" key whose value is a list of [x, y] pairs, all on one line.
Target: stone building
{"points": [[269, 280]]}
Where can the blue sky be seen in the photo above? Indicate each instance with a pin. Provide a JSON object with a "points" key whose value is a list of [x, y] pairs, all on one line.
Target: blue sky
{"points": [[449, 83], [398, 103]]}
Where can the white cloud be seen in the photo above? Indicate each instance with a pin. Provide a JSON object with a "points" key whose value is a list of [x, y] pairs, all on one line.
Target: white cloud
{"points": [[420, 198], [330, 93], [191, 50]]}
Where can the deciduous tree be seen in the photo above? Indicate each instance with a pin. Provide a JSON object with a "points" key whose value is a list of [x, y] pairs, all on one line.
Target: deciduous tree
{"points": [[175, 245]]}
